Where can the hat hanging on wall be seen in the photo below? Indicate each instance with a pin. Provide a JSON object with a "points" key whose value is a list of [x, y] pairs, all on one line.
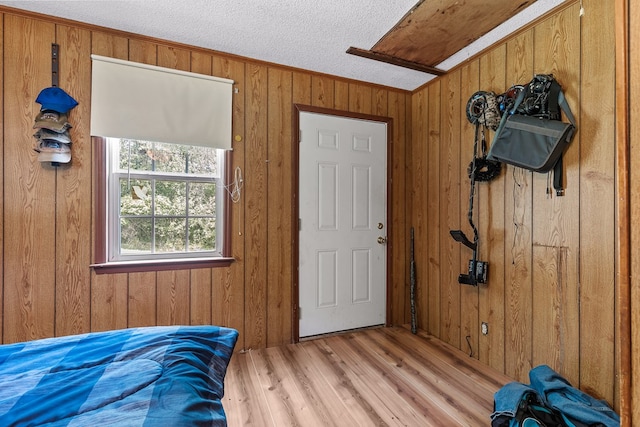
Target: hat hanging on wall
{"points": [[53, 142], [56, 99]]}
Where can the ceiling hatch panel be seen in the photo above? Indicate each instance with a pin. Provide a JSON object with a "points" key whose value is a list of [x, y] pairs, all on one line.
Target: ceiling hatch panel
{"points": [[433, 30]]}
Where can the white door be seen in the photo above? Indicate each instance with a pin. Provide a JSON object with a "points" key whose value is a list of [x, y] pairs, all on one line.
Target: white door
{"points": [[342, 241]]}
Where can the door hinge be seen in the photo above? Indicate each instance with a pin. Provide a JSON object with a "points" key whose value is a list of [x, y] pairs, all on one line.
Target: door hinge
{"points": [[299, 313], [299, 224], [299, 136]]}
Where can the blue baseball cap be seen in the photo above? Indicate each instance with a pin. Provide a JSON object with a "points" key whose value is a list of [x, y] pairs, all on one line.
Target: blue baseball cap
{"points": [[56, 99]]}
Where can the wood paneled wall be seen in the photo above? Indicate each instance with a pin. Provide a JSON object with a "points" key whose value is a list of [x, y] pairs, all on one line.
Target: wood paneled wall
{"points": [[633, 151], [550, 297], [48, 288]]}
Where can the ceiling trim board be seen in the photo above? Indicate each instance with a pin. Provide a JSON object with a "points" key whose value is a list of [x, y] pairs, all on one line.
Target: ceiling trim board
{"points": [[376, 56]]}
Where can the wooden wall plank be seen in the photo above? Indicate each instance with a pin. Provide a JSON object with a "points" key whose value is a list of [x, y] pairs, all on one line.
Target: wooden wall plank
{"points": [[634, 214], [550, 272], [419, 215], [518, 232], [399, 236], [200, 307], [597, 188], [469, 295], [201, 63], [518, 274], [256, 205], [432, 264], [280, 179], [322, 88], [109, 301], [171, 57], [111, 45], [407, 201], [379, 102], [142, 305], [557, 51], [228, 287], [227, 294], [360, 98], [173, 296], [450, 191], [73, 213], [341, 99], [143, 51], [29, 193], [491, 226], [302, 88]]}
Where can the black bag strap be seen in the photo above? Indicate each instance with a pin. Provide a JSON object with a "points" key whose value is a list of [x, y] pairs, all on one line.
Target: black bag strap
{"points": [[553, 100], [557, 169], [562, 102], [557, 177]]}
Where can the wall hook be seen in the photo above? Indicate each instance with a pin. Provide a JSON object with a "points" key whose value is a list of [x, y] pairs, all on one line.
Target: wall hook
{"points": [[55, 48]]}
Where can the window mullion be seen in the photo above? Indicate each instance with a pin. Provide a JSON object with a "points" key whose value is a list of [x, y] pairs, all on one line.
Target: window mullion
{"points": [[187, 215]]}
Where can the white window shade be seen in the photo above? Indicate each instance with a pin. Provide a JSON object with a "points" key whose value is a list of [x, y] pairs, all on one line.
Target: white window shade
{"points": [[145, 102]]}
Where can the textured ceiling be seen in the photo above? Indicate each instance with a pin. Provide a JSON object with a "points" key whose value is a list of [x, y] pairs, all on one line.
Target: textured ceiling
{"points": [[312, 35]]}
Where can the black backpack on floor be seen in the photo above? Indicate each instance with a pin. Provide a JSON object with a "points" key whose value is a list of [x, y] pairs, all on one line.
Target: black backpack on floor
{"points": [[531, 412], [550, 401]]}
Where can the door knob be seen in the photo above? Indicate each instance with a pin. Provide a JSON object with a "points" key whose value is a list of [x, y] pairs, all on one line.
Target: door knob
{"points": [[382, 240]]}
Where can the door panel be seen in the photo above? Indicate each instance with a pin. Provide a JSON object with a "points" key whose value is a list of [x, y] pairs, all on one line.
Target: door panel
{"points": [[342, 266]]}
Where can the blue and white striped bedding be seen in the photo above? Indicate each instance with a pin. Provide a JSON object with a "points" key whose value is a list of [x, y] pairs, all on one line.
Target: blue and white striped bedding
{"points": [[156, 376]]}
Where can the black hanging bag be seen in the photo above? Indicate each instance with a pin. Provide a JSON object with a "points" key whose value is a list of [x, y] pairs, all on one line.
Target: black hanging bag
{"points": [[531, 134]]}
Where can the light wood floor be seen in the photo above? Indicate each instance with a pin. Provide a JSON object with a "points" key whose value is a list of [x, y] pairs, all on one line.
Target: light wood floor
{"points": [[375, 377]]}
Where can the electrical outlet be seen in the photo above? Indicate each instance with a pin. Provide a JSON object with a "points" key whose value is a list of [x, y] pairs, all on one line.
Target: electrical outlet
{"points": [[484, 328]]}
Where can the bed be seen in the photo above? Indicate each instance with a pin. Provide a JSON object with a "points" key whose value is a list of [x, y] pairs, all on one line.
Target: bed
{"points": [[155, 376]]}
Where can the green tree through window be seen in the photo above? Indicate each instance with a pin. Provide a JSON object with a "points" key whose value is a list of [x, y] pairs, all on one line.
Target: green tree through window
{"points": [[164, 200]]}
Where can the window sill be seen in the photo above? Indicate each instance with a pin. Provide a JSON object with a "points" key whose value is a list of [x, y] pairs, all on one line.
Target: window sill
{"points": [[160, 265]]}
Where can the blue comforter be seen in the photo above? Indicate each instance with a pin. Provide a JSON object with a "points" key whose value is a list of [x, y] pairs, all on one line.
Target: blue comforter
{"points": [[157, 376]]}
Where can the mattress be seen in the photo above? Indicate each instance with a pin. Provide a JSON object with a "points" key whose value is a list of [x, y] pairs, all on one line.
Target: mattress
{"points": [[155, 376]]}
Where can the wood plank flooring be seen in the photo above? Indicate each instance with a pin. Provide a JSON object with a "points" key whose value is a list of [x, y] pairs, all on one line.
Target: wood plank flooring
{"points": [[375, 377]]}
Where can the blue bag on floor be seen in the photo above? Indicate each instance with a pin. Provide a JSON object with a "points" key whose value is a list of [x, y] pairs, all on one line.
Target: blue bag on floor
{"points": [[549, 401], [518, 405], [576, 407]]}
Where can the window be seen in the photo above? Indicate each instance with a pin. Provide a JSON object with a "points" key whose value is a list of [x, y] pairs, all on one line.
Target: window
{"points": [[165, 203], [159, 205]]}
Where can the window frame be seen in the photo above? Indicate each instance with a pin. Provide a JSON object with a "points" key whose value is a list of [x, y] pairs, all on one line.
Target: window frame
{"points": [[101, 191]]}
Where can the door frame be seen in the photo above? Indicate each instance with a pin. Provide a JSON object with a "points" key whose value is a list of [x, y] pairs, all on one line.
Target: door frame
{"points": [[295, 235], [626, 236]]}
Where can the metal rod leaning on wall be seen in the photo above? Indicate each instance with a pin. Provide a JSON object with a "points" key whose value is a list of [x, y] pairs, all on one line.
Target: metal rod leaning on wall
{"points": [[412, 288]]}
